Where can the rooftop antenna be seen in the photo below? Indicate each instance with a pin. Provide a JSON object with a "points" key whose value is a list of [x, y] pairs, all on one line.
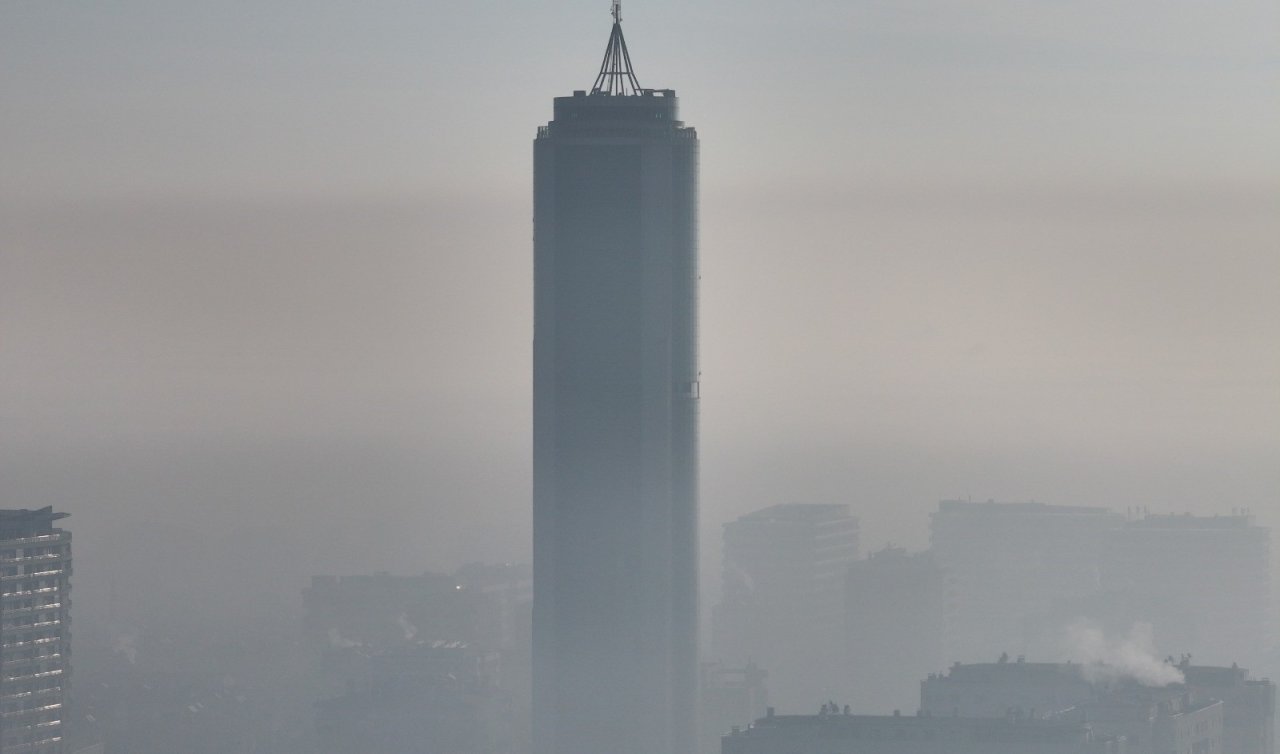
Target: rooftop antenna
{"points": [[616, 76]]}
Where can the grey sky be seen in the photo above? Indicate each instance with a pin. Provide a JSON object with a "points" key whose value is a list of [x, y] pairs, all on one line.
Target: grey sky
{"points": [[389, 97], [274, 257]]}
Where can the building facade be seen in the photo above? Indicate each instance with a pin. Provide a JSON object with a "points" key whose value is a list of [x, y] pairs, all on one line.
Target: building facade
{"points": [[615, 414], [1249, 706], [895, 611], [1202, 582], [1009, 564], [35, 631], [783, 602], [1174, 724]]}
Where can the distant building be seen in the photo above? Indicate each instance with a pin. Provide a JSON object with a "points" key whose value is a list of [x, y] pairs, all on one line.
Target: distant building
{"points": [[420, 698], [35, 636], [1249, 711], [1215, 709], [839, 733], [381, 639], [506, 592], [995, 689], [486, 605], [896, 607], [784, 596], [729, 697], [382, 609], [1154, 723], [1009, 563], [1203, 582], [148, 711]]}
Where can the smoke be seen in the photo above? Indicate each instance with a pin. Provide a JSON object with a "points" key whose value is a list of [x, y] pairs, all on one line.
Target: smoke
{"points": [[338, 641], [1112, 658], [127, 645], [408, 628]]}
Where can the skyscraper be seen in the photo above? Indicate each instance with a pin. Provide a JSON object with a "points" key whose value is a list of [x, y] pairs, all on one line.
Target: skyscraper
{"points": [[35, 637], [615, 419]]}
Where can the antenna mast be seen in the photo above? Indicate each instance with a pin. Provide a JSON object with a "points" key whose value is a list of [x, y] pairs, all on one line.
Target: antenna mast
{"points": [[616, 76]]}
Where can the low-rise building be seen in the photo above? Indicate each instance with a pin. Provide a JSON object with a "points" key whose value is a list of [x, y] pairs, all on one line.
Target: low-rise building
{"points": [[1249, 706], [1158, 723], [1212, 709], [839, 733], [996, 689]]}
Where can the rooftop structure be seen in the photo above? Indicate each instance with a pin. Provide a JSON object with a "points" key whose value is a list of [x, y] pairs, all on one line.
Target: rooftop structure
{"points": [[616, 76]]}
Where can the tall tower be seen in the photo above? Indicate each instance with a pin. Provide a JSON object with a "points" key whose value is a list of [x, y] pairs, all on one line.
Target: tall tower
{"points": [[615, 420]]}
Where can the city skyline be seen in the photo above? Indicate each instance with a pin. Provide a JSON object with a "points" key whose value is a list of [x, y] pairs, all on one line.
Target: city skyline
{"points": [[271, 266]]}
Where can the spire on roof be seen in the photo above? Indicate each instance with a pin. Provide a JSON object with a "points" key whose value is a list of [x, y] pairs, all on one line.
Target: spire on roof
{"points": [[616, 74]]}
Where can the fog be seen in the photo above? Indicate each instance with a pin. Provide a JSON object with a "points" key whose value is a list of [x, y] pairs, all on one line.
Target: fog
{"points": [[266, 274], [355, 376]]}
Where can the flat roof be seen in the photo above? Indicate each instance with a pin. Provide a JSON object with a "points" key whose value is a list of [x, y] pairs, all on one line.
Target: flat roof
{"points": [[19, 514]]}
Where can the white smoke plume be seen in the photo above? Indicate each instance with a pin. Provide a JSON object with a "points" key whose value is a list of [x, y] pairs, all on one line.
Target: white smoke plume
{"points": [[408, 628], [127, 645], [1112, 658], [338, 641]]}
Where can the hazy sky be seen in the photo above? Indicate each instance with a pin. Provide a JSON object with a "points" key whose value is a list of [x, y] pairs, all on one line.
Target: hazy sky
{"points": [[265, 268]]}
